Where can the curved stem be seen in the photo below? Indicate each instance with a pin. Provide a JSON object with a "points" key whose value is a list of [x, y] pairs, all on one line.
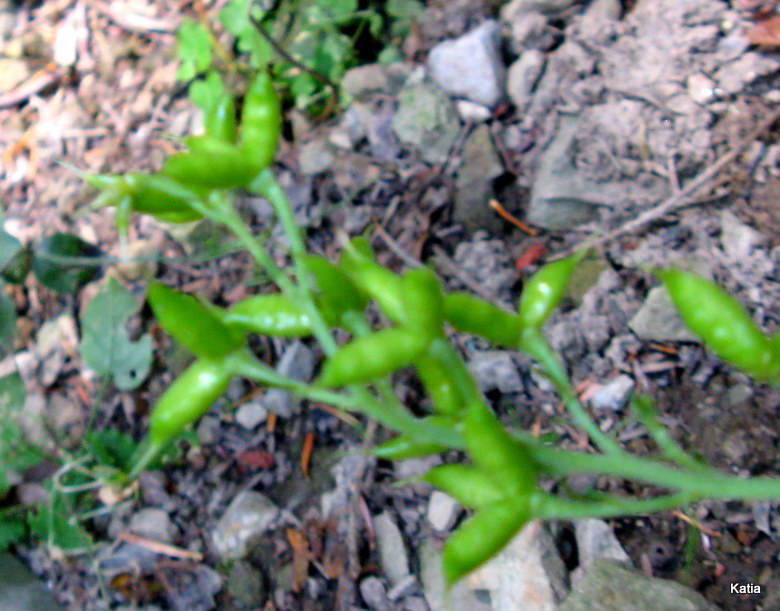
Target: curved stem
{"points": [[547, 506]]}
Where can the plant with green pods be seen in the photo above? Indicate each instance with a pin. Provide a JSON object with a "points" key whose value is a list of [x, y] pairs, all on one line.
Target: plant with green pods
{"points": [[500, 479]]}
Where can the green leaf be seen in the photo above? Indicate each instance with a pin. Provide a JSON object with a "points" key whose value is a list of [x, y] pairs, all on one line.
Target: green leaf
{"points": [[12, 530], [57, 525], [404, 9], [106, 347], [204, 93], [337, 10], [469, 486], [235, 19], [7, 324], [55, 267], [193, 49], [14, 259], [111, 448]]}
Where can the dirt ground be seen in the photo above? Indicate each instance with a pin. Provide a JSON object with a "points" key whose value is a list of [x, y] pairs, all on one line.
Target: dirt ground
{"points": [[109, 110]]}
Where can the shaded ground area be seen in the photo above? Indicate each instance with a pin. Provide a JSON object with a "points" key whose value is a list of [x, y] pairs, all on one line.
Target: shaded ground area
{"points": [[602, 114]]}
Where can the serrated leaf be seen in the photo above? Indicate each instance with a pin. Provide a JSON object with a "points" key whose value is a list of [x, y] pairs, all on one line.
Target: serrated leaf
{"points": [[106, 347], [12, 530], [235, 19], [58, 262], [56, 525], [111, 448], [205, 92], [193, 49]]}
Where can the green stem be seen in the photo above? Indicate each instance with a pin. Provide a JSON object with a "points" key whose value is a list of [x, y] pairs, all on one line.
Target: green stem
{"points": [[549, 507], [534, 343], [699, 482], [267, 186]]}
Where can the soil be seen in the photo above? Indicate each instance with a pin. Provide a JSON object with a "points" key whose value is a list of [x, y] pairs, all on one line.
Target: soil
{"points": [[110, 109]]}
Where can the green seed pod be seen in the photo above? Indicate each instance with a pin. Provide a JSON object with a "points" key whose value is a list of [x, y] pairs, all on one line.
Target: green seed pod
{"points": [[274, 315], [545, 289], [370, 357], [723, 324], [476, 316]]}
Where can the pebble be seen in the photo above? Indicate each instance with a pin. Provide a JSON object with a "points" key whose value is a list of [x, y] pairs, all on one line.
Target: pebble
{"points": [[443, 510]]}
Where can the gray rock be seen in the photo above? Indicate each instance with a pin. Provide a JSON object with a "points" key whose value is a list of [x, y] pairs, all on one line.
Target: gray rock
{"points": [[607, 586], [416, 467], [443, 510], [247, 517], [297, 362], [391, 547], [471, 111], [518, 7], [737, 238], [365, 80], [427, 120], [460, 598], [315, 157], [473, 183], [528, 30], [561, 197], [488, 262], [604, 9], [495, 369], [408, 585], [658, 319], [154, 524], [734, 76], [596, 540], [613, 395], [374, 595], [470, 66], [251, 414], [522, 77], [527, 574], [20, 590]]}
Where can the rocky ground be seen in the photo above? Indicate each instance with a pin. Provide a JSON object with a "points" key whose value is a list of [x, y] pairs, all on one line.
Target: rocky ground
{"points": [[649, 125]]}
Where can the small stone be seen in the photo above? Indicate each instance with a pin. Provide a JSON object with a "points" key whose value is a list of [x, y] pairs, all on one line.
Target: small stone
{"points": [[658, 319], [613, 395], [522, 77], [471, 111], [527, 574], [364, 80], [373, 592], [247, 517], [315, 157], [630, 591], [470, 66], [251, 414], [596, 539], [442, 511], [403, 588], [391, 547], [496, 370], [701, 88], [154, 524]]}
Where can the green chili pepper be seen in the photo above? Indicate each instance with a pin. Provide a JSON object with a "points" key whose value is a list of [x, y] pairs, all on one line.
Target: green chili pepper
{"points": [[187, 399], [372, 356], [261, 121], [476, 316], [723, 324], [423, 302], [274, 315], [545, 289], [482, 536], [192, 324], [469, 486], [497, 453], [221, 119], [212, 163]]}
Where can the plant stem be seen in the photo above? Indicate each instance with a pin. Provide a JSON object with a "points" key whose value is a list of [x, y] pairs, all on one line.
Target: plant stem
{"points": [[701, 482], [534, 343], [547, 506]]}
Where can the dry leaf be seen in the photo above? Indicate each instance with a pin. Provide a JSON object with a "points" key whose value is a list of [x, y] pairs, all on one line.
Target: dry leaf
{"points": [[765, 33]]}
